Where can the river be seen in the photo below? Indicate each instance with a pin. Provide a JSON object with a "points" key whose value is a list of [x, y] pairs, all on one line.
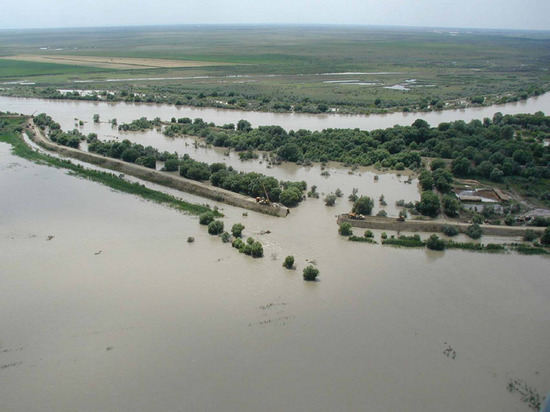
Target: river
{"points": [[118, 312], [64, 111]]}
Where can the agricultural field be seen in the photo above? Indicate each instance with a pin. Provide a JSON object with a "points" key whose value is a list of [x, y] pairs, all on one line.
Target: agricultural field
{"points": [[282, 68]]}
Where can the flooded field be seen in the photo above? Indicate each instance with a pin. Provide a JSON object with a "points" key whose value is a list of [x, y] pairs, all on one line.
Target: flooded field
{"points": [[105, 306]]}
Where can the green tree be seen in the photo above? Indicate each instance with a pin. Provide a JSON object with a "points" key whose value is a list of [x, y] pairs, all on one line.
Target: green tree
{"points": [[363, 205], [451, 205], [461, 167], [237, 229], [289, 262], [450, 230], [215, 227], [345, 229], [244, 125], [474, 231], [96, 118], [310, 273], [291, 196], [435, 243], [545, 238], [428, 205], [206, 218], [330, 200], [256, 249], [171, 164], [437, 164]]}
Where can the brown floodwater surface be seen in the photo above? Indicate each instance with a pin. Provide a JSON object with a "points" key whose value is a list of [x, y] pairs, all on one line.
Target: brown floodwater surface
{"points": [[118, 312]]}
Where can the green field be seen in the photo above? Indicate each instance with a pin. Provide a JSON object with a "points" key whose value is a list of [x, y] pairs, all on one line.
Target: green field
{"points": [[16, 69], [282, 65]]}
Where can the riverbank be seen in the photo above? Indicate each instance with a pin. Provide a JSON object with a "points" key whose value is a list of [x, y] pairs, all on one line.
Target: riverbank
{"points": [[433, 226], [156, 176]]}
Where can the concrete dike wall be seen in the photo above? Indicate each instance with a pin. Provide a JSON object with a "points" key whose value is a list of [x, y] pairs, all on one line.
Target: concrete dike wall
{"points": [[158, 177], [432, 226]]}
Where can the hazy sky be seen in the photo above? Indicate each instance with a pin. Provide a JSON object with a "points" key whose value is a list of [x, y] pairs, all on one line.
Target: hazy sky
{"points": [[504, 14]]}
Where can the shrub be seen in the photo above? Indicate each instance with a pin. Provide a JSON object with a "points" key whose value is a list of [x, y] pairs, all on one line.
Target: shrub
{"points": [[474, 231], [330, 200], [226, 237], [530, 235], [382, 213], [171, 165], [237, 229], [345, 229], [384, 235], [509, 221], [450, 230], [256, 249], [477, 219], [238, 243], [369, 234], [215, 227], [435, 243], [363, 205], [289, 262], [310, 273], [545, 238], [291, 196], [206, 217], [190, 239], [428, 205]]}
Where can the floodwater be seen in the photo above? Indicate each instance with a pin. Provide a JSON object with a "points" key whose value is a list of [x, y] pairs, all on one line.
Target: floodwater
{"points": [[118, 312], [64, 112]]}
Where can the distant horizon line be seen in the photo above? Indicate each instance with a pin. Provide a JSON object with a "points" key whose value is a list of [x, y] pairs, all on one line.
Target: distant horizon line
{"points": [[335, 25]]}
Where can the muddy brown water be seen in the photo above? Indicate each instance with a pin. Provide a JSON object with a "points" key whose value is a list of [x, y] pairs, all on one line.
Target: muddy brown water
{"points": [[118, 312]]}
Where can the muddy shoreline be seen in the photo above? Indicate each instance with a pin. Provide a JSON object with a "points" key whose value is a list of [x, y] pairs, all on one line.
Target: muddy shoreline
{"points": [[433, 226], [159, 177]]}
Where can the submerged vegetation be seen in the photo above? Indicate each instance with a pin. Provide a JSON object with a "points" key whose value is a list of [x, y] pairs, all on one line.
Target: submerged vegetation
{"points": [[10, 132]]}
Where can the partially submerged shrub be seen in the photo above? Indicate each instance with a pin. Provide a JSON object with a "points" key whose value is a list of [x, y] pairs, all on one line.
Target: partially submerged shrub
{"points": [[206, 217], [289, 262], [345, 229], [435, 243], [310, 273], [215, 227]]}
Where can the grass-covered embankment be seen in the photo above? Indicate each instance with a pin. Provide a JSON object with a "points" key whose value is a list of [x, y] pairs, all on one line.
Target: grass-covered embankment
{"points": [[10, 132]]}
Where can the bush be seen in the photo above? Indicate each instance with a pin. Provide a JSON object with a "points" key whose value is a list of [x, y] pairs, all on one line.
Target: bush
{"points": [[310, 273], [530, 235], [384, 235], [363, 205], [256, 249], [206, 217], [345, 229], [474, 231], [369, 234], [382, 213], [226, 237], [215, 227], [545, 238], [237, 229], [435, 243], [289, 262], [291, 196], [451, 205], [171, 165], [428, 205], [510, 220], [477, 219], [330, 200], [450, 230]]}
